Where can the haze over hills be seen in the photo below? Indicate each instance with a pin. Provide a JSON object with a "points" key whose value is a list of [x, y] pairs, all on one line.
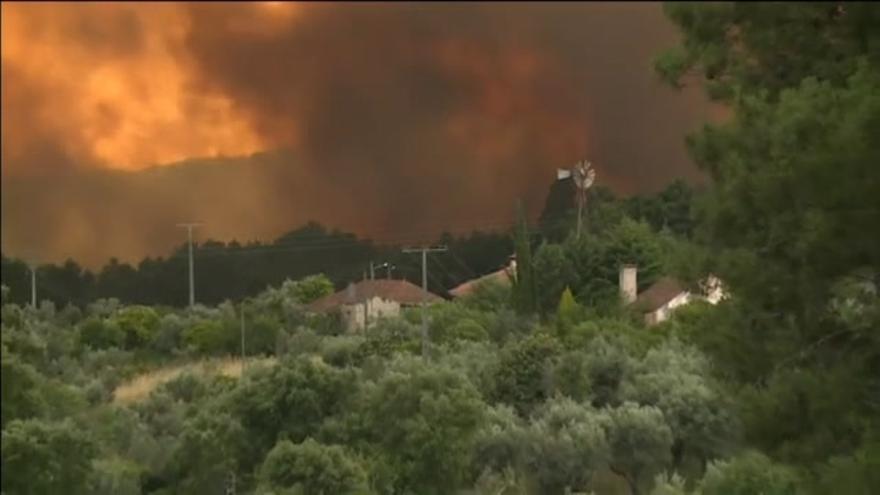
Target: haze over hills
{"points": [[94, 214], [466, 110]]}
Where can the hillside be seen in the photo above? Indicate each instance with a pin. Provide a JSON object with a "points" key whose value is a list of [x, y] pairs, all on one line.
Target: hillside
{"points": [[141, 386]]}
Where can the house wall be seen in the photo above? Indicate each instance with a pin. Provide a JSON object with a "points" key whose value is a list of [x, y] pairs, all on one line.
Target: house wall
{"points": [[353, 314], [628, 283], [714, 290], [663, 313], [376, 308], [382, 308], [713, 294]]}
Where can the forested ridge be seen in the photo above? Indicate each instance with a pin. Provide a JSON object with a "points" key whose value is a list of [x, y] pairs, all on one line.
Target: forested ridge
{"points": [[232, 270], [549, 386]]}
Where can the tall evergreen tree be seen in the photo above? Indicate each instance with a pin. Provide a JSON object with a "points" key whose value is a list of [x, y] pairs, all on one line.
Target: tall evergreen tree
{"points": [[524, 293], [792, 211]]}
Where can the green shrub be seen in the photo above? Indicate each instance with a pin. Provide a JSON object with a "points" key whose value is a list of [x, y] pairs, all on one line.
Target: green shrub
{"points": [[42, 458], [468, 329], [261, 335], [169, 335], [116, 476], [523, 376], [187, 387], [209, 337], [389, 337], [97, 333], [138, 323], [488, 296], [312, 468], [747, 474], [341, 351]]}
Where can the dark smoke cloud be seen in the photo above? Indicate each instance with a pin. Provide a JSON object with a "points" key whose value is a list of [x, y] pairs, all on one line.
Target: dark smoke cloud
{"points": [[393, 117]]}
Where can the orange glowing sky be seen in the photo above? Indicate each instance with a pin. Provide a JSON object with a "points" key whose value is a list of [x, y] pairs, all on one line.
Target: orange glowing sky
{"points": [[367, 117], [114, 84]]}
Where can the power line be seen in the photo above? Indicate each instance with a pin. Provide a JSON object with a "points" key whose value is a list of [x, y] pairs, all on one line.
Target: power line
{"points": [[409, 265], [372, 236], [306, 246], [462, 263], [398, 236], [499, 220], [444, 270], [315, 241], [233, 251], [322, 240], [359, 244]]}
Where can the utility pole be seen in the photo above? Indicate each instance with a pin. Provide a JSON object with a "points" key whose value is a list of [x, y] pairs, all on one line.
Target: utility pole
{"points": [[33, 286], [192, 287], [425, 251], [242, 335]]}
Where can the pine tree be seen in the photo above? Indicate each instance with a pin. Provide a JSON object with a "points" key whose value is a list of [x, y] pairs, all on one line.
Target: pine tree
{"points": [[524, 293]]}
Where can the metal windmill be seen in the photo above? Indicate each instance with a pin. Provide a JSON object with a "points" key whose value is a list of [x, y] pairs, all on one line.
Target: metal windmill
{"points": [[584, 176]]}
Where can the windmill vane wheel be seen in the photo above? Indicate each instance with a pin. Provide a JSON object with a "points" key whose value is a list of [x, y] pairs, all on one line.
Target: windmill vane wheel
{"points": [[584, 175]]}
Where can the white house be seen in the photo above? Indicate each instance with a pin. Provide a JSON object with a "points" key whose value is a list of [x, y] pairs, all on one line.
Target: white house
{"points": [[361, 304], [660, 300]]}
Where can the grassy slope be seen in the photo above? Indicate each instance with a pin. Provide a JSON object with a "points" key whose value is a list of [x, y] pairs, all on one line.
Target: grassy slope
{"points": [[139, 387]]}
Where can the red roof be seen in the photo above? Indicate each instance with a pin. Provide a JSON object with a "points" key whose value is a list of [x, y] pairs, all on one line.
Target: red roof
{"points": [[400, 291], [501, 276], [663, 291]]}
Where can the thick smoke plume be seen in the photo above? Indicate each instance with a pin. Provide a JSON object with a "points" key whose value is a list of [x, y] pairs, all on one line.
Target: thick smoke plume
{"points": [[390, 120]]}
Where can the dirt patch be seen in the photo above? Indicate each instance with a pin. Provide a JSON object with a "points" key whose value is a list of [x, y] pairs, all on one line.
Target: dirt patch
{"points": [[139, 387]]}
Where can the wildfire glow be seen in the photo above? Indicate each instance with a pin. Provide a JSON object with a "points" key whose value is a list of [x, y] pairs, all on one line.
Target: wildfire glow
{"points": [[67, 79]]}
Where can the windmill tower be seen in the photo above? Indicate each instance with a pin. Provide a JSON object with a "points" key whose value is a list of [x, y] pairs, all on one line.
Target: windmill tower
{"points": [[584, 176]]}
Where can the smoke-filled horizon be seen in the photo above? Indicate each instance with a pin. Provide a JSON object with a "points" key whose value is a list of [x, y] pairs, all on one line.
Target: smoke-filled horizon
{"points": [[373, 118]]}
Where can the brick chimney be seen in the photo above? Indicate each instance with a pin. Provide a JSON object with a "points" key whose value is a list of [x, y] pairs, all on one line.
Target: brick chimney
{"points": [[628, 283]]}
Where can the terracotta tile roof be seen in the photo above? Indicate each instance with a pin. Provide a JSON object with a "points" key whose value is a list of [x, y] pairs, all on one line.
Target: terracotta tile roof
{"points": [[501, 276], [663, 291], [400, 291]]}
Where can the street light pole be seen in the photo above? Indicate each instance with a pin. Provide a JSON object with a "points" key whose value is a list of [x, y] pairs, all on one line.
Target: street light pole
{"points": [[388, 267]]}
